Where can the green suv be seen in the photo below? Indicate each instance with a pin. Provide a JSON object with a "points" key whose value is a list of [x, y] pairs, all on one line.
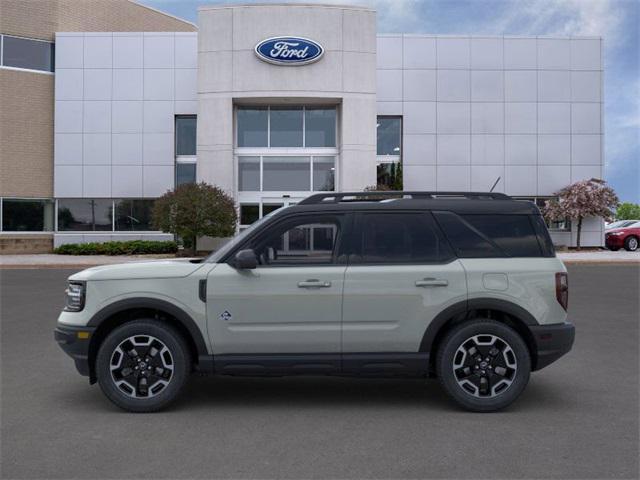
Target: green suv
{"points": [[464, 287]]}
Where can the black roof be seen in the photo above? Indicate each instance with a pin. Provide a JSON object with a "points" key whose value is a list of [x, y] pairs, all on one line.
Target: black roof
{"points": [[457, 202]]}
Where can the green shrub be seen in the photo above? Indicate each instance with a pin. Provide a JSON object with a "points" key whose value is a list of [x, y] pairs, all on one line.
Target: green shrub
{"points": [[133, 247]]}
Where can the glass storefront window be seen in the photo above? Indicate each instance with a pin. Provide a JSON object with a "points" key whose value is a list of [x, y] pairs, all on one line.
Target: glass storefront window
{"points": [[267, 208], [27, 215], [253, 125], [26, 53], [389, 133], [133, 215], [248, 174], [286, 173], [186, 135], [85, 215], [286, 127], [185, 173], [320, 127], [324, 174]]}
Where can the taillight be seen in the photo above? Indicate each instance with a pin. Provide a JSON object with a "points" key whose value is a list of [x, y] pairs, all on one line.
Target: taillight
{"points": [[562, 289]]}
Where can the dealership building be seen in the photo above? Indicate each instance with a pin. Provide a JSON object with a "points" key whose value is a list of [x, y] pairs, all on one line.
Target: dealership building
{"points": [[120, 103]]}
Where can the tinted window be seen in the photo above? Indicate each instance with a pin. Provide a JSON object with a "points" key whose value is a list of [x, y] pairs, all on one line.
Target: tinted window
{"points": [[27, 215], [467, 241], [320, 127], [286, 127], [512, 233], [389, 133], [400, 238], [248, 174], [324, 174], [25, 53], [286, 173], [253, 127], [84, 215], [303, 241], [186, 135], [185, 173], [548, 250], [133, 215]]}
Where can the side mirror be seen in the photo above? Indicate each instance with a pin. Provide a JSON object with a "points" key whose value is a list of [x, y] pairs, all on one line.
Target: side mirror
{"points": [[245, 260]]}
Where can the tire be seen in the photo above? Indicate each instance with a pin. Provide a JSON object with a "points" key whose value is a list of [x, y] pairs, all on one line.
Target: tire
{"points": [[460, 372], [159, 349], [631, 243]]}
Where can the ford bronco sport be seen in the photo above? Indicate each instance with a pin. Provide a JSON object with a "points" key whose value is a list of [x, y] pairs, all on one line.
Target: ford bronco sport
{"points": [[464, 287]]}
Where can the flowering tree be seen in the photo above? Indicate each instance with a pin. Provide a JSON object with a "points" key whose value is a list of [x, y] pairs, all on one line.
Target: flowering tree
{"points": [[195, 210], [586, 198]]}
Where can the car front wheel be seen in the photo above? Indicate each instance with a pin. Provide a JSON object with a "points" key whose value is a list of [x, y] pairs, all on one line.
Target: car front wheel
{"points": [[484, 365], [631, 244], [142, 365]]}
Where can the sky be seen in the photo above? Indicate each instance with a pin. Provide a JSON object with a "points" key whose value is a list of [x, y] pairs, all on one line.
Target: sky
{"points": [[617, 21]]}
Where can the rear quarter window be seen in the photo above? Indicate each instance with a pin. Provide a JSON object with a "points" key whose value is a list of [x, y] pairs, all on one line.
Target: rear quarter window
{"points": [[514, 234]]}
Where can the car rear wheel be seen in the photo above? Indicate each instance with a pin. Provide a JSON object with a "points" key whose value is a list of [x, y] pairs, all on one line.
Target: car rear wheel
{"points": [[483, 365], [142, 365], [631, 244]]}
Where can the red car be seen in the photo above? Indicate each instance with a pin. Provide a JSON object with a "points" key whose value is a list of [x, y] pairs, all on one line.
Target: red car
{"points": [[627, 237]]}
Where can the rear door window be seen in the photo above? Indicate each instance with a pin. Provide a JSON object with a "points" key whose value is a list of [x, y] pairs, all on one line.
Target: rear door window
{"points": [[399, 238], [466, 240]]}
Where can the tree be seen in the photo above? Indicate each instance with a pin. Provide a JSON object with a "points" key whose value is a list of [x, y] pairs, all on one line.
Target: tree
{"points": [[195, 210], [628, 211], [587, 198]]}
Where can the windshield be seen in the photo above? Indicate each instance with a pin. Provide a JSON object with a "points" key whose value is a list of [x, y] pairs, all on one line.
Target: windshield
{"points": [[622, 224], [216, 255]]}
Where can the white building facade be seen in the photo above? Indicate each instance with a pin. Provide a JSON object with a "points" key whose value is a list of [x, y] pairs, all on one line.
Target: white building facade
{"points": [[521, 115]]}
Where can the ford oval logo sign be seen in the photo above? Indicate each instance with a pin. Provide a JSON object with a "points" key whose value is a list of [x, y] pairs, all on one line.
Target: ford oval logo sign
{"points": [[289, 51]]}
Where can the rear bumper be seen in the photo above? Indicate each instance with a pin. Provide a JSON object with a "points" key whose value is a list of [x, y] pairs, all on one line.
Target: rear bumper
{"points": [[552, 342], [75, 343]]}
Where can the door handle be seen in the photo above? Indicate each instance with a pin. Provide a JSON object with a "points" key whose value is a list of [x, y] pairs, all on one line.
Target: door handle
{"points": [[313, 283], [432, 282]]}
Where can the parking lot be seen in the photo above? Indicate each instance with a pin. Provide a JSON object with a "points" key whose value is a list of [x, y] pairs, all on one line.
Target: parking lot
{"points": [[578, 418]]}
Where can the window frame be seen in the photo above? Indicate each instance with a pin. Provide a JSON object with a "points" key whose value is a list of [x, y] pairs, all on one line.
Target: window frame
{"points": [[22, 69], [355, 246]]}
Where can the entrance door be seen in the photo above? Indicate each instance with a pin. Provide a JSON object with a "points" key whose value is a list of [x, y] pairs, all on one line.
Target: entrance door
{"points": [[292, 302]]}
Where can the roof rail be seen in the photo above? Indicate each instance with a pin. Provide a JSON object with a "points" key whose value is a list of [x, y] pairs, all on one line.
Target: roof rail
{"points": [[337, 197]]}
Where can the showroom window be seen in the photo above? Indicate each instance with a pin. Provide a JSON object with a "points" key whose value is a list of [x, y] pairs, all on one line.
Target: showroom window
{"points": [[275, 173], [286, 127], [104, 215], [389, 152], [85, 215], [186, 140], [27, 53], [133, 215], [556, 226], [26, 215]]}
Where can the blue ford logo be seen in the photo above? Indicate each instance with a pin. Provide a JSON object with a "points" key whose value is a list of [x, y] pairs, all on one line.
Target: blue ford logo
{"points": [[289, 50]]}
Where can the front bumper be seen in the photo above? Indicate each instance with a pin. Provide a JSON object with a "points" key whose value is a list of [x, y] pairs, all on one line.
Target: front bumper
{"points": [[552, 342], [75, 343], [614, 241]]}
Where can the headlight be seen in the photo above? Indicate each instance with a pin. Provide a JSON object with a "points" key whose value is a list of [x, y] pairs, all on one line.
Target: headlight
{"points": [[616, 233], [75, 297]]}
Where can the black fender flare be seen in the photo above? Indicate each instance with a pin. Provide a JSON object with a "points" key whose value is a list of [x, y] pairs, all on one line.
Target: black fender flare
{"points": [[461, 309], [156, 304]]}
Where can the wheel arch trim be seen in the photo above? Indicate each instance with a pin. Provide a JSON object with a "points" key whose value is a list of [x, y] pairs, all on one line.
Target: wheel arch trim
{"points": [[155, 304], [462, 309]]}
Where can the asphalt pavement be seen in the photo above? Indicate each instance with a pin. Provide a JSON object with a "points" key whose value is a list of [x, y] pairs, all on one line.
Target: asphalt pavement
{"points": [[578, 418]]}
